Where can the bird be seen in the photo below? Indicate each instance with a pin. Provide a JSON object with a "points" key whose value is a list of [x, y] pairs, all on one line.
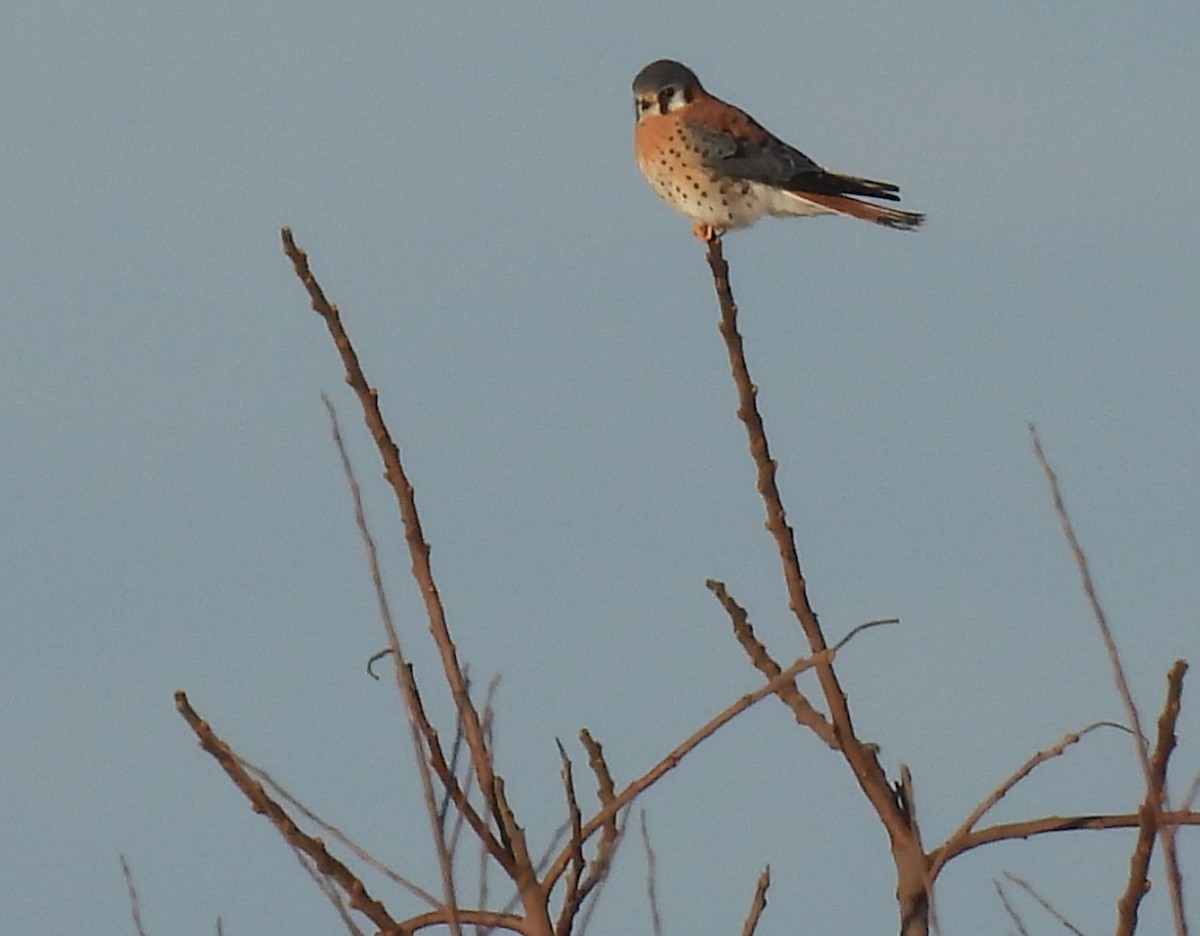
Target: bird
{"points": [[716, 164]]}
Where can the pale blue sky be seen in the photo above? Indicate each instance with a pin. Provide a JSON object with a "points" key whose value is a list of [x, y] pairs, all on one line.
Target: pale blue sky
{"points": [[541, 330]]}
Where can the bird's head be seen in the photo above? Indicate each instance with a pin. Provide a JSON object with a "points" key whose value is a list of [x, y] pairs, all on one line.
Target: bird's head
{"points": [[664, 86]]}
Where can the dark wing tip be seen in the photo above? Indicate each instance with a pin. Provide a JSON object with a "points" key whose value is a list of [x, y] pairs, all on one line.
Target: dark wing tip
{"points": [[901, 220]]}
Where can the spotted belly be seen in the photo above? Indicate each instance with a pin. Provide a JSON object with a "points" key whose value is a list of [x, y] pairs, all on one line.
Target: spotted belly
{"points": [[709, 198]]}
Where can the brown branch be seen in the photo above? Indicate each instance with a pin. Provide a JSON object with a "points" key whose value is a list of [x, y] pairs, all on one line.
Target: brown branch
{"points": [[788, 694], [356, 893], [1016, 777], [1150, 824], [1046, 905], [599, 866], [486, 918], [1010, 909], [327, 828], [135, 904], [1151, 809], [571, 899], [1027, 828], [907, 854], [404, 674], [418, 548], [329, 890], [1089, 589], [651, 878], [759, 903], [592, 899], [676, 755]]}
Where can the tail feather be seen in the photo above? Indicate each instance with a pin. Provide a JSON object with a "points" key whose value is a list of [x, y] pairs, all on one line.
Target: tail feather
{"points": [[853, 185], [879, 214]]}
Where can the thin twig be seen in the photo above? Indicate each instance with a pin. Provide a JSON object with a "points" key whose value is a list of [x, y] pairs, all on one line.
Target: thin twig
{"points": [[759, 903], [672, 759], [1150, 812], [651, 878], [907, 852], [1016, 777], [803, 710], [1150, 825], [356, 893], [329, 890], [591, 899], [487, 919], [418, 547], [571, 899], [404, 677], [1089, 589], [1043, 825], [1010, 909], [135, 904], [1046, 905], [327, 828]]}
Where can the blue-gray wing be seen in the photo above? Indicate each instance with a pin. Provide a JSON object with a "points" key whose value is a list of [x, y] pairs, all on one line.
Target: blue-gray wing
{"points": [[757, 156]]}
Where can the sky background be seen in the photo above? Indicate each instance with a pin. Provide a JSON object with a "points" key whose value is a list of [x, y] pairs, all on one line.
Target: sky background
{"points": [[541, 330]]}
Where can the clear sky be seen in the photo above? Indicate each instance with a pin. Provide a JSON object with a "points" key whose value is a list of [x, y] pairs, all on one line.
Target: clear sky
{"points": [[542, 333]]}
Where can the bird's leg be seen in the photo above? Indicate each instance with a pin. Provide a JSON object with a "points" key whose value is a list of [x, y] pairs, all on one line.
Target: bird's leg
{"points": [[707, 233]]}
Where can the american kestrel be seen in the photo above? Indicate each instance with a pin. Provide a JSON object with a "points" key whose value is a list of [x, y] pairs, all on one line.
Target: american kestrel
{"points": [[718, 166]]}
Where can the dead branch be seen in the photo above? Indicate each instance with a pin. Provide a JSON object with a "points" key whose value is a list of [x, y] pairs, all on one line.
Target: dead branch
{"points": [[1043, 825], [489, 919], [759, 903], [278, 790], [356, 893], [1010, 909], [571, 899], [606, 792], [329, 890], [1016, 777], [676, 755], [1150, 813], [1046, 905], [404, 673], [651, 878], [907, 852], [1089, 589], [418, 547], [135, 903], [788, 694]]}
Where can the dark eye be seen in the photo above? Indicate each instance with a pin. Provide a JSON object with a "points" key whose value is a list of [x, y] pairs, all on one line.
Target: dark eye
{"points": [[667, 92]]}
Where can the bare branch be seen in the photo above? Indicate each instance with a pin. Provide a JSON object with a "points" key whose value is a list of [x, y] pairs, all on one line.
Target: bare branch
{"points": [[1016, 777], [356, 893], [595, 887], [759, 903], [651, 878], [788, 694], [418, 547], [1010, 909], [1046, 905], [135, 904], [404, 676], [672, 760], [329, 890], [571, 899], [490, 919], [599, 866], [1089, 590], [329, 829], [1044, 825], [1150, 813], [907, 853]]}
